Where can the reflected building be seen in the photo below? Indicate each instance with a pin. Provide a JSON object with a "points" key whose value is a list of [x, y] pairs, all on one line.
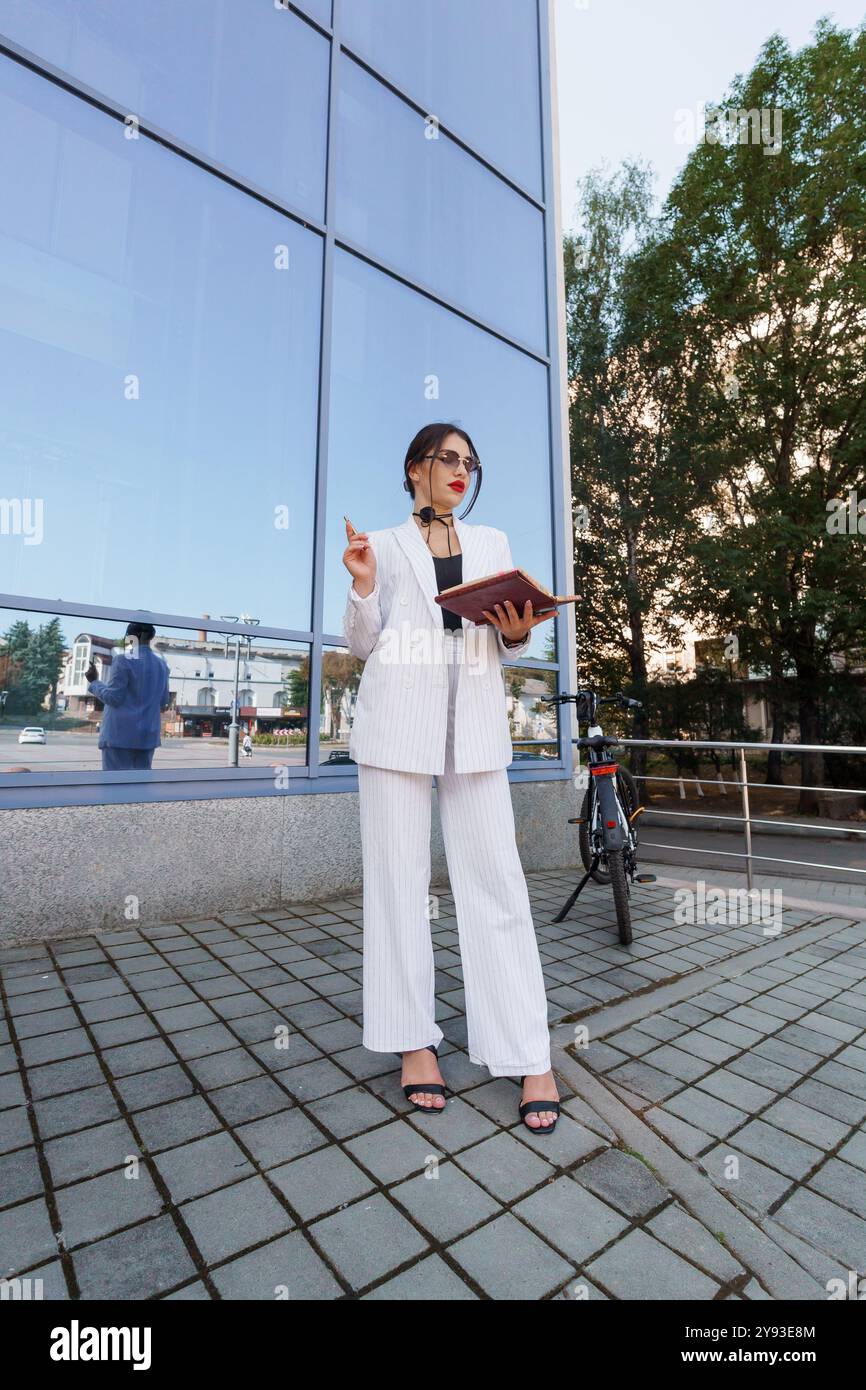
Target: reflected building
{"points": [[201, 684], [73, 697]]}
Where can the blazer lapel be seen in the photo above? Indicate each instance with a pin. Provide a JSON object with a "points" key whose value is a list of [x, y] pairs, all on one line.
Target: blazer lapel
{"points": [[417, 552]]}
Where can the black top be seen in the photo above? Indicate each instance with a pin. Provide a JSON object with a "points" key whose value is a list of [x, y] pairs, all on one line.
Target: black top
{"points": [[449, 570]]}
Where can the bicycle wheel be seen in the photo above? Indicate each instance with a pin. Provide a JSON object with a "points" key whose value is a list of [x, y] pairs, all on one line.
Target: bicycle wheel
{"points": [[625, 785], [620, 895]]}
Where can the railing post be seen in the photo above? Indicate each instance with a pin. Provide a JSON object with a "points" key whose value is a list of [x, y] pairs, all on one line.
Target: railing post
{"points": [[747, 824]]}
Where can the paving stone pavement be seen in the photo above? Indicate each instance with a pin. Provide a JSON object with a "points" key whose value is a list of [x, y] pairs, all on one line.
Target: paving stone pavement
{"points": [[754, 1066], [186, 1111]]}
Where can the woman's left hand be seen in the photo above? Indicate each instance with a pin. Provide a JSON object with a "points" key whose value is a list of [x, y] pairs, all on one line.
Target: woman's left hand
{"points": [[511, 624]]}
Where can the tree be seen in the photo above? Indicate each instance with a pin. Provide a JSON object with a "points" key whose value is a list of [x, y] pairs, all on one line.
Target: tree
{"points": [[340, 675], [769, 248], [36, 661], [17, 640], [298, 686], [634, 491]]}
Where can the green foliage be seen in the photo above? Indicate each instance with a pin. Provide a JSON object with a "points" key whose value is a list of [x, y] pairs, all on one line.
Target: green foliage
{"points": [[770, 252], [842, 721], [718, 413], [36, 662], [298, 688]]}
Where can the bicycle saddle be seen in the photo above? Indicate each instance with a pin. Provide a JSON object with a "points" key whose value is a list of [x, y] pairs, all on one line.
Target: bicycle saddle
{"points": [[598, 741]]}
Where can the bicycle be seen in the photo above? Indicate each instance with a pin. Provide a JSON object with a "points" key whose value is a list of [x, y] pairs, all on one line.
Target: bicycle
{"points": [[608, 821]]}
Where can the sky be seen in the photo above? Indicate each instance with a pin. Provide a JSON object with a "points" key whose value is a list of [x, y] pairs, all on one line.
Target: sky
{"points": [[625, 67]]}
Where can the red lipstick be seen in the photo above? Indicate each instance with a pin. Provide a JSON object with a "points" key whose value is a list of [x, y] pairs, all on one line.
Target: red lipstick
{"points": [[458, 487]]}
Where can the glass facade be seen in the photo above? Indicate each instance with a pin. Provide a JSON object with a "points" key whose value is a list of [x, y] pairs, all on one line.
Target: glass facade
{"points": [[412, 196], [241, 85], [245, 253], [474, 66], [159, 356]]}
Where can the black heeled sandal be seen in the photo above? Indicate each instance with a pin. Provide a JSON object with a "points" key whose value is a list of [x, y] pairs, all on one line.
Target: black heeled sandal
{"points": [[538, 1106], [430, 1088]]}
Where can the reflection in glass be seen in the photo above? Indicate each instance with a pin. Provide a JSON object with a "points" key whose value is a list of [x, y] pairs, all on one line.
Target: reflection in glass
{"points": [[341, 676], [474, 66], [43, 675], [244, 84], [435, 213], [159, 356], [398, 362], [534, 724]]}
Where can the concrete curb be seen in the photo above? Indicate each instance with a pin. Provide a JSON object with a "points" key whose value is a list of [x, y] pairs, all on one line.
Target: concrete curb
{"points": [[781, 1276]]}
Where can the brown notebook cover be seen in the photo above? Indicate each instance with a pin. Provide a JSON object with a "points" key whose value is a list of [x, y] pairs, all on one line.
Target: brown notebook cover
{"points": [[469, 599]]}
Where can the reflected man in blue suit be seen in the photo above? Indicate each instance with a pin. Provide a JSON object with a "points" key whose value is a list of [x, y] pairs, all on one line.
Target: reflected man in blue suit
{"points": [[134, 695]]}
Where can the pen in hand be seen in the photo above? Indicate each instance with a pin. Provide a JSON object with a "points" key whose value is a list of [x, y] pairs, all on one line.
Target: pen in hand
{"points": [[359, 559]]}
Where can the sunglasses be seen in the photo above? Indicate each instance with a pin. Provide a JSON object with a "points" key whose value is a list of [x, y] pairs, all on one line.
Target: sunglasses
{"points": [[451, 459]]}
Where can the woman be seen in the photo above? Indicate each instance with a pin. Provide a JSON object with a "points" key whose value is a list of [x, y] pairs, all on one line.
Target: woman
{"points": [[431, 701]]}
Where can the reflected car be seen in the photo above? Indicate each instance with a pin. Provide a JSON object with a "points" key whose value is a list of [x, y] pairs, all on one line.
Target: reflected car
{"points": [[32, 735]]}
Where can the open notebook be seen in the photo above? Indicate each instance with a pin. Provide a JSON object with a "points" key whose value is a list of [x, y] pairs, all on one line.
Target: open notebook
{"points": [[469, 599]]}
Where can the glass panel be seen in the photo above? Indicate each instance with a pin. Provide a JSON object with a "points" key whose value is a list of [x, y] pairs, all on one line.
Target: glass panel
{"points": [[319, 9], [246, 85], [475, 66], [341, 676], [432, 211], [51, 722], [534, 724], [159, 350], [399, 361]]}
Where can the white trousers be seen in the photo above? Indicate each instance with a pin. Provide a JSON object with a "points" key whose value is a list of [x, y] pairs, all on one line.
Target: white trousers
{"points": [[506, 1006]]}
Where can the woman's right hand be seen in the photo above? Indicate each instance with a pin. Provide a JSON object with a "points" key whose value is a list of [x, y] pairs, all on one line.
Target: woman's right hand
{"points": [[360, 561]]}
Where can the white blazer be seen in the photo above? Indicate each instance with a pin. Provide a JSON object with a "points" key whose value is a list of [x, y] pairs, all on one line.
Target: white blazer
{"points": [[401, 710]]}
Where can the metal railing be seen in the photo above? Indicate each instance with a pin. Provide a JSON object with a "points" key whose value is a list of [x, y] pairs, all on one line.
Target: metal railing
{"points": [[746, 819]]}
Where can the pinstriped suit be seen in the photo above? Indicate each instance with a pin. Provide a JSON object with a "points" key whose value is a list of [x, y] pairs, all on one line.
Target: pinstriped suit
{"points": [[432, 703], [401, 710]]}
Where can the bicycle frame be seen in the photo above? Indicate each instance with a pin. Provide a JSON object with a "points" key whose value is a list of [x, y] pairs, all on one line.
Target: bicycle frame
{"points": [[607, 818], [609, 850], [609, 827]]}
